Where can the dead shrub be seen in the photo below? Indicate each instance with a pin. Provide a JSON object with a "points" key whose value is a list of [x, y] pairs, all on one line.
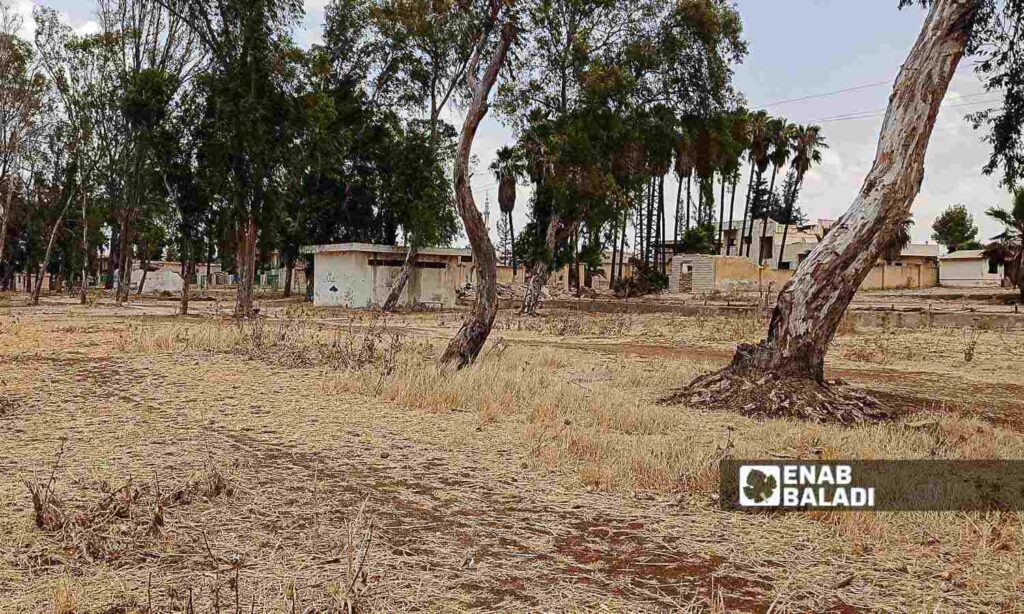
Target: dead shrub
{"points": [[120, 523], [969, 342], [292, 341], [572, 324], [355, 555]]}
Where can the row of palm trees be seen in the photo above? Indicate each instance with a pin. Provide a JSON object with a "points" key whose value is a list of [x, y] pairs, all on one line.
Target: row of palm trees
{"points": [[719, 146], [702, 150]]}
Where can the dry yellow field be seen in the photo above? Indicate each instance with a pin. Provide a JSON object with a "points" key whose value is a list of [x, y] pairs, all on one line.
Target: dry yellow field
{"points": [[315, 461]]}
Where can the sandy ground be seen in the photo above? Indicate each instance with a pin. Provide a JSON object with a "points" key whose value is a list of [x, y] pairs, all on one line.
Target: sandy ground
{"points": [[185, 465]]}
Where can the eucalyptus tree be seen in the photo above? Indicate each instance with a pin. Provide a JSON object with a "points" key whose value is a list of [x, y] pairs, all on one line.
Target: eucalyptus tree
{"points": [[174, 145], [245, 41], [566, 37], [80, 69], [807, 146], [55, 189], [788, 366], [153, 55], [465, 346], [22, 92], [659, 154], [422, 64], [419, 195]]}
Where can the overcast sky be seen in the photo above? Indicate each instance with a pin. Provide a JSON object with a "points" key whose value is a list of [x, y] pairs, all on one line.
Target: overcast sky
{"points": [[801, 48]]}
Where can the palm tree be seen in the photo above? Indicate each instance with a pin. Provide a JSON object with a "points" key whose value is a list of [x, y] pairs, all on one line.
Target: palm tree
{"points": [[779, 131], [899, 241], [683, 168], [807, 145], [508, 166], [758, 157], [739, 140], [1011, 240]]}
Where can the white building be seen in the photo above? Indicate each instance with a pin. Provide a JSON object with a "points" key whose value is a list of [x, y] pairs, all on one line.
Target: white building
{"points": [[158, 281], [969, 267], [362, 274]]}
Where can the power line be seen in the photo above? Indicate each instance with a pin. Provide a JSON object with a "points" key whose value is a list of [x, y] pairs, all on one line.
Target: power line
{"points": [[842, 91], [823, 94], [881, 112]]}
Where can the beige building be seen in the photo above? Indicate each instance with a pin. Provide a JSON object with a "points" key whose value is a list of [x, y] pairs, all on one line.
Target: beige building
{"points": [[362, 274], [800, 240], [917, 267], [970, 267]]}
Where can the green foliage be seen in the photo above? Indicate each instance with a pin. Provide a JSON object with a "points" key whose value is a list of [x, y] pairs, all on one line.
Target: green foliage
{"points": [[698, 240], [955, 229], [646, 279]]}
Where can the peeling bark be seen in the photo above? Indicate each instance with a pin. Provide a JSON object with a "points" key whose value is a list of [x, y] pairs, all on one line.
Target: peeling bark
{"points": [[787, 369], [541, 269], [38, 287], [401, 281], [465, 346]]}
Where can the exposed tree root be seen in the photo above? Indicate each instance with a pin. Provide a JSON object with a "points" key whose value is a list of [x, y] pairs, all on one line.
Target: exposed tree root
{"points": [[767, 393]]}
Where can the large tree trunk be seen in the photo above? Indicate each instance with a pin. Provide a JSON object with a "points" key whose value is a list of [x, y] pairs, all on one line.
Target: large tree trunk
{"points": [[677, 217], [465, 346], [142, 281], [541, 269], [38, 288], [246, 267], [784, 374], [402, 280]]}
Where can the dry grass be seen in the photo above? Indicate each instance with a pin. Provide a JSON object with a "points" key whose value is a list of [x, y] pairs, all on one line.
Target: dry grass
{"points": [[545, 477]]}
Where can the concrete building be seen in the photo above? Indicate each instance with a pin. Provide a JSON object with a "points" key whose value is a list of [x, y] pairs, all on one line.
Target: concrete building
{"points": [[800, 240], [970, 267], [158, 281], [361, 274], [917, 267]]}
